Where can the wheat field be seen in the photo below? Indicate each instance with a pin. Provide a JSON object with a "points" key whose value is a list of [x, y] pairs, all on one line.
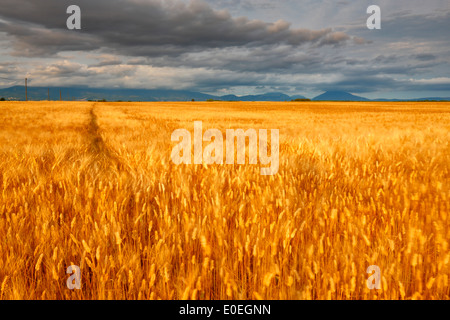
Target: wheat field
{"points": [[93, 185]]}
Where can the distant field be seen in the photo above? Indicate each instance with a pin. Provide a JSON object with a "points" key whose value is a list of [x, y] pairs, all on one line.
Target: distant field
{"points": [[93, 185]]}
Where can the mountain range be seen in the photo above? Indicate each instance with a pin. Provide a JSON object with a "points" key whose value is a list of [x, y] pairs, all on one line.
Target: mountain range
{"points": [[112, 94]]}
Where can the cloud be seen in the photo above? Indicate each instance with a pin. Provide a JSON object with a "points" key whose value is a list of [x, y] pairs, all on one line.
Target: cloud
{"points": [[252, 46], [336, 38], [7, 67], [407, 26], [145, 28], [106, 60], [438, 81], [35, 41], [425, 56]]}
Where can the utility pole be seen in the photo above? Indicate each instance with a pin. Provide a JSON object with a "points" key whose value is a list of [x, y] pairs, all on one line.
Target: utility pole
{"points": [[26, 89]]}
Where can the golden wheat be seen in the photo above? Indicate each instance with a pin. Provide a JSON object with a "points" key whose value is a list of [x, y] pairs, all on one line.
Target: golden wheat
{"points": [[92, 184]]}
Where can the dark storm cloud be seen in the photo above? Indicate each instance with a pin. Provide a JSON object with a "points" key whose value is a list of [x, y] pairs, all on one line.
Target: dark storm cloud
{"points": [[425, 57], [258, 59], [145, 28], [32, 41], [405, 68], [230, 79], [249, 5], [360, 84]]}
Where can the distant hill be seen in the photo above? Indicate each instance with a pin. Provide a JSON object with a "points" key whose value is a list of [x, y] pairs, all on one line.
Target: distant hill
{"points": [[84, 94], [345, 96], [338, 96], [71, 93], [230, 97], [271, 96]]}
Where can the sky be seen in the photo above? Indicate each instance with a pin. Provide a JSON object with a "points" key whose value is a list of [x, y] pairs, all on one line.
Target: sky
{"points": [[230, 46]]}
